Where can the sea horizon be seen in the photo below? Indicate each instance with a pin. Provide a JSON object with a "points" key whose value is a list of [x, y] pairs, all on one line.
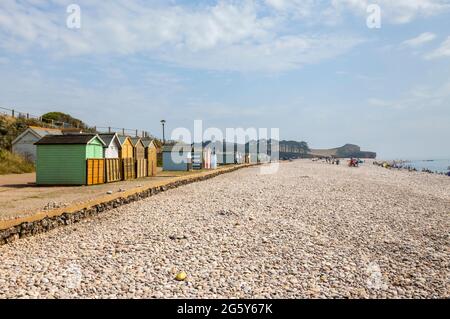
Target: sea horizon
{"points": [[435, 165]]}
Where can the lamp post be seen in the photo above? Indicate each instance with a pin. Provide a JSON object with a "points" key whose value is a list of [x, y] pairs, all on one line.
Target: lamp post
{"points": [[164, 137]]}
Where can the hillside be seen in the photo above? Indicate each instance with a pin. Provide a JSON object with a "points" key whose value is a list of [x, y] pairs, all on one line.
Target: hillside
{"points": [[66, 120], [11, 127], [346, 151]]}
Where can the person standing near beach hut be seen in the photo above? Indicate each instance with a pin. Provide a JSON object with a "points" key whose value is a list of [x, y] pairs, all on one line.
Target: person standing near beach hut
{"points": [[151, 156], [139, 157], [70, 160]]}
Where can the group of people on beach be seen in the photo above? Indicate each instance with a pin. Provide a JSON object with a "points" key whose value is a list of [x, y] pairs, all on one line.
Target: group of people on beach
{"points": [[403, 166], [332, 160], [354, 162]]}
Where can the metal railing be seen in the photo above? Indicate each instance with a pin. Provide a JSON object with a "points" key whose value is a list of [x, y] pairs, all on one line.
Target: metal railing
{"points": [[123, 131], [57, 124]]}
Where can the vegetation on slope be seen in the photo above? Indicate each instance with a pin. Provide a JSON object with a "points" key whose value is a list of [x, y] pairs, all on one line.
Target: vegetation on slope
{"points": [[14, 164], [11, 127], [59, 118]]}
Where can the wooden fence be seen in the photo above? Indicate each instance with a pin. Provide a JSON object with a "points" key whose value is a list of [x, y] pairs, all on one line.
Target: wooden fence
{"points": [[95, 171], [128, 168], [113, 170]]}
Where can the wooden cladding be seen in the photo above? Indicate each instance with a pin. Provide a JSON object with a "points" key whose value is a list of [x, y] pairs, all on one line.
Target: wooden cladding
{"points": [[95, 171], [108, 170], [113, 171], [128, 168], [151, 161], [141, 168]]}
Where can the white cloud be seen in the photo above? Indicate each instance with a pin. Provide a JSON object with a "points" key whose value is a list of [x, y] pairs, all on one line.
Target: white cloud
{"points": [[224, 36], [419, 40], [228, 35], [442, 51], [396, 11]]}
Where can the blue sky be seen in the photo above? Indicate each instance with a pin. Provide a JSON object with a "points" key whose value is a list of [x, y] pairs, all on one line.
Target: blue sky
{"points": [[311, 68]]}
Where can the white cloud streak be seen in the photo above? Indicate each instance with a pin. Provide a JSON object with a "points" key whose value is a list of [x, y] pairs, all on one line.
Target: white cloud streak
{"points": [[420, 40], [443, 51]]}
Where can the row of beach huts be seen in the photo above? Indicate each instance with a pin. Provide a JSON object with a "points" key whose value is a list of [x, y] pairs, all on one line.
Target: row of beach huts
{"points": [[90, 159], [76, 158]]}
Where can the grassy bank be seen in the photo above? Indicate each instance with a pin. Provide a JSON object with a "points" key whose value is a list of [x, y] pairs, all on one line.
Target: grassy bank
{"points": [[14, 164]]}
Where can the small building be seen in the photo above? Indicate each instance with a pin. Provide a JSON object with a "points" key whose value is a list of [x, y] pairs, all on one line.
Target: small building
{"points": [[113, 145], [239, 158], [62, 159], [177, 157], [111, 153], [23, 145], [197, 157], [126, 147], [138, 148], [139, 157], [151, 156], [225, 158]]}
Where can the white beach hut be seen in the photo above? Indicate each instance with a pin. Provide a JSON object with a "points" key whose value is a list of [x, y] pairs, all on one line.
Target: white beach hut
{"points": [[112, 148]]}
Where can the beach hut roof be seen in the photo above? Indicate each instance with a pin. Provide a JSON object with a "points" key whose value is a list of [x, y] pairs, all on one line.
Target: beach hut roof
{"points": [[148, 142], [39, 132], [68, 139], [108, 138], [123, 138], [136, 140]]}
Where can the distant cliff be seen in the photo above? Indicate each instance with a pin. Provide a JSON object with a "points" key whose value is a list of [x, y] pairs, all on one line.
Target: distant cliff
{"points": [[346, 151]]}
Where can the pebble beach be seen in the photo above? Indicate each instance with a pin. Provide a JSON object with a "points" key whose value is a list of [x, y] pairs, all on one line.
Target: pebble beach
{"points": [[312, 230]]}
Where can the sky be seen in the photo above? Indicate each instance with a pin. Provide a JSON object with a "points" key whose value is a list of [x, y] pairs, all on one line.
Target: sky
{"points": [[312, 68]]}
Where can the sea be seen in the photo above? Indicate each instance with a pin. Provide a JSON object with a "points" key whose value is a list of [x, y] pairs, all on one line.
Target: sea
{"points": [[439, 166]]}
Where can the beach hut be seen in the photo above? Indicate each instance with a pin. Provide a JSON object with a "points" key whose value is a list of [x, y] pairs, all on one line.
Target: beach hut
{"points": [[70, 160], [225, 153], [113, 166], [225, 158], [139, 157], [177, 157], [23, 144], [126, 147], [138, 148], [113, 145], [213, 161], [207, 152], [151, 156], [239, 158], [197, 157], [126, 158]]}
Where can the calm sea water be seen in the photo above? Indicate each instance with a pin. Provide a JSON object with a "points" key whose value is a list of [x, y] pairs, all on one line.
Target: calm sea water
{"points": [[441, 166]]}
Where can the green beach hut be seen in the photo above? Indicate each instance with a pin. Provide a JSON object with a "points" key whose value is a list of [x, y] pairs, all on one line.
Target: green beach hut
{"points": [[61, 159]]}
